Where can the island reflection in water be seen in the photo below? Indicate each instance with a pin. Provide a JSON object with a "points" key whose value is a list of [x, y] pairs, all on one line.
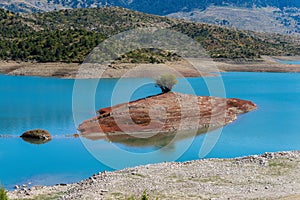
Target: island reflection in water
{"points": [[157, 140], [35, 141]]}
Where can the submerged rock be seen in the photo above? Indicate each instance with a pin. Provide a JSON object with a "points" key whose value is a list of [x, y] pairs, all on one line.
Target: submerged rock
{"points": [[37, 136], [165, 113]]}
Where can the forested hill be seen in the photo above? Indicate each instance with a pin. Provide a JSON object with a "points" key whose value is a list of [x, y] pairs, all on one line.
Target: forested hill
{"points": [[69, 35]]}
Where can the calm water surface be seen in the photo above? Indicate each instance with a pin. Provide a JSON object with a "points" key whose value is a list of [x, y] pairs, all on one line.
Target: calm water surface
{"points": [[292, 62], [31, 102]]}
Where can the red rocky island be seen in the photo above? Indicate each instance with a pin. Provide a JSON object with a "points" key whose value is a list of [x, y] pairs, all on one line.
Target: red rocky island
{"points": [[165, 113]]}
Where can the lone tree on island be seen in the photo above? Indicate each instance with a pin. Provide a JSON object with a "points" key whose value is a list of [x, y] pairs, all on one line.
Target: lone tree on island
{"points": [[166, 82]]}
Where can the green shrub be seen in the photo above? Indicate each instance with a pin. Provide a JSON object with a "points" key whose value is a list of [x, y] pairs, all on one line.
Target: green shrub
{"points": [[145, 196], [3, 193], [166, 82]]}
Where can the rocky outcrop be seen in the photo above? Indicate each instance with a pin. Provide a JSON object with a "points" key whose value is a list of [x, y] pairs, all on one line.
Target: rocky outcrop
{"points": [[37, 136], [165, 113]]}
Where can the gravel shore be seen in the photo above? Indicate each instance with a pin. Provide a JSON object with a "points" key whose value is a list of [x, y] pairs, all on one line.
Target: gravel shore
{"points": [[267, 176], [204, 67]]}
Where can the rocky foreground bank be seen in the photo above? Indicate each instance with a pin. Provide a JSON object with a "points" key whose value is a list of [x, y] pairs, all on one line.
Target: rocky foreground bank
{"points": [[267, 176]]}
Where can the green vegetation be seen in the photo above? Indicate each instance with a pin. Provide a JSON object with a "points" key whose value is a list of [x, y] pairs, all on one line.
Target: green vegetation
{"points": [[277, 164], [150, 55], [278, 167], [144, 196], [166, 82], [45, 197], [3, 193], [53, 46], [70, 35], [229, 43]]}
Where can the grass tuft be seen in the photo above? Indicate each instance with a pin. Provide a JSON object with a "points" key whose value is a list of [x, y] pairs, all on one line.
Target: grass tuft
{"points": [[3, 193]]}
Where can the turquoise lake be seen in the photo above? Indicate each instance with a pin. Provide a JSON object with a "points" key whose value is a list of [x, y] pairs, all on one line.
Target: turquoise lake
{"points": [[33, 102], [291, 62]]}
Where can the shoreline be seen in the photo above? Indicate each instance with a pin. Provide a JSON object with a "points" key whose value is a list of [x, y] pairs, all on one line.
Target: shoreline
{"points": [[193, 68], [268, 176]]}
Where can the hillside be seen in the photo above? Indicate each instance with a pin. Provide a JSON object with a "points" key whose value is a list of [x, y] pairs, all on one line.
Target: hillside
{"points": [[270, 16], [28, 6], [108, 21], [69, 35], [266, 19], [257, 15], [159, 7]]}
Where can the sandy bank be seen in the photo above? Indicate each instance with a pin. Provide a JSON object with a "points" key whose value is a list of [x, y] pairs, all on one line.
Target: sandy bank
{"points": [[268, 176], [265, 64], [180, 68]]}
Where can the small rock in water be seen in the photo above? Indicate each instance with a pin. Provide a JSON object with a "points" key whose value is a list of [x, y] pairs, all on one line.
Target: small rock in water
{"points": [[36, 136]]}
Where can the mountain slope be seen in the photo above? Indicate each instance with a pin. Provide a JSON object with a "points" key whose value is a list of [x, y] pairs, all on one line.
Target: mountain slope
{"points": [[257, 15], [163, 7], [69, 35], [109, 20], [28, 6], [159, 7], [267, 19]]}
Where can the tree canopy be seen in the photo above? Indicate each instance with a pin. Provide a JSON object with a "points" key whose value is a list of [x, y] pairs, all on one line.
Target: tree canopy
{"points": [[166, 82]]}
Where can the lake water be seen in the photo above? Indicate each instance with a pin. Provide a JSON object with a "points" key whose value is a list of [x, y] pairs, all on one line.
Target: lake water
{"points": [[291, 62], [32, 102]]}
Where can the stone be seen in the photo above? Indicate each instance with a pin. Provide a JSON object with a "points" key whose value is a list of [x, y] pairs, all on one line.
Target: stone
{"points": [[36, 136]]}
